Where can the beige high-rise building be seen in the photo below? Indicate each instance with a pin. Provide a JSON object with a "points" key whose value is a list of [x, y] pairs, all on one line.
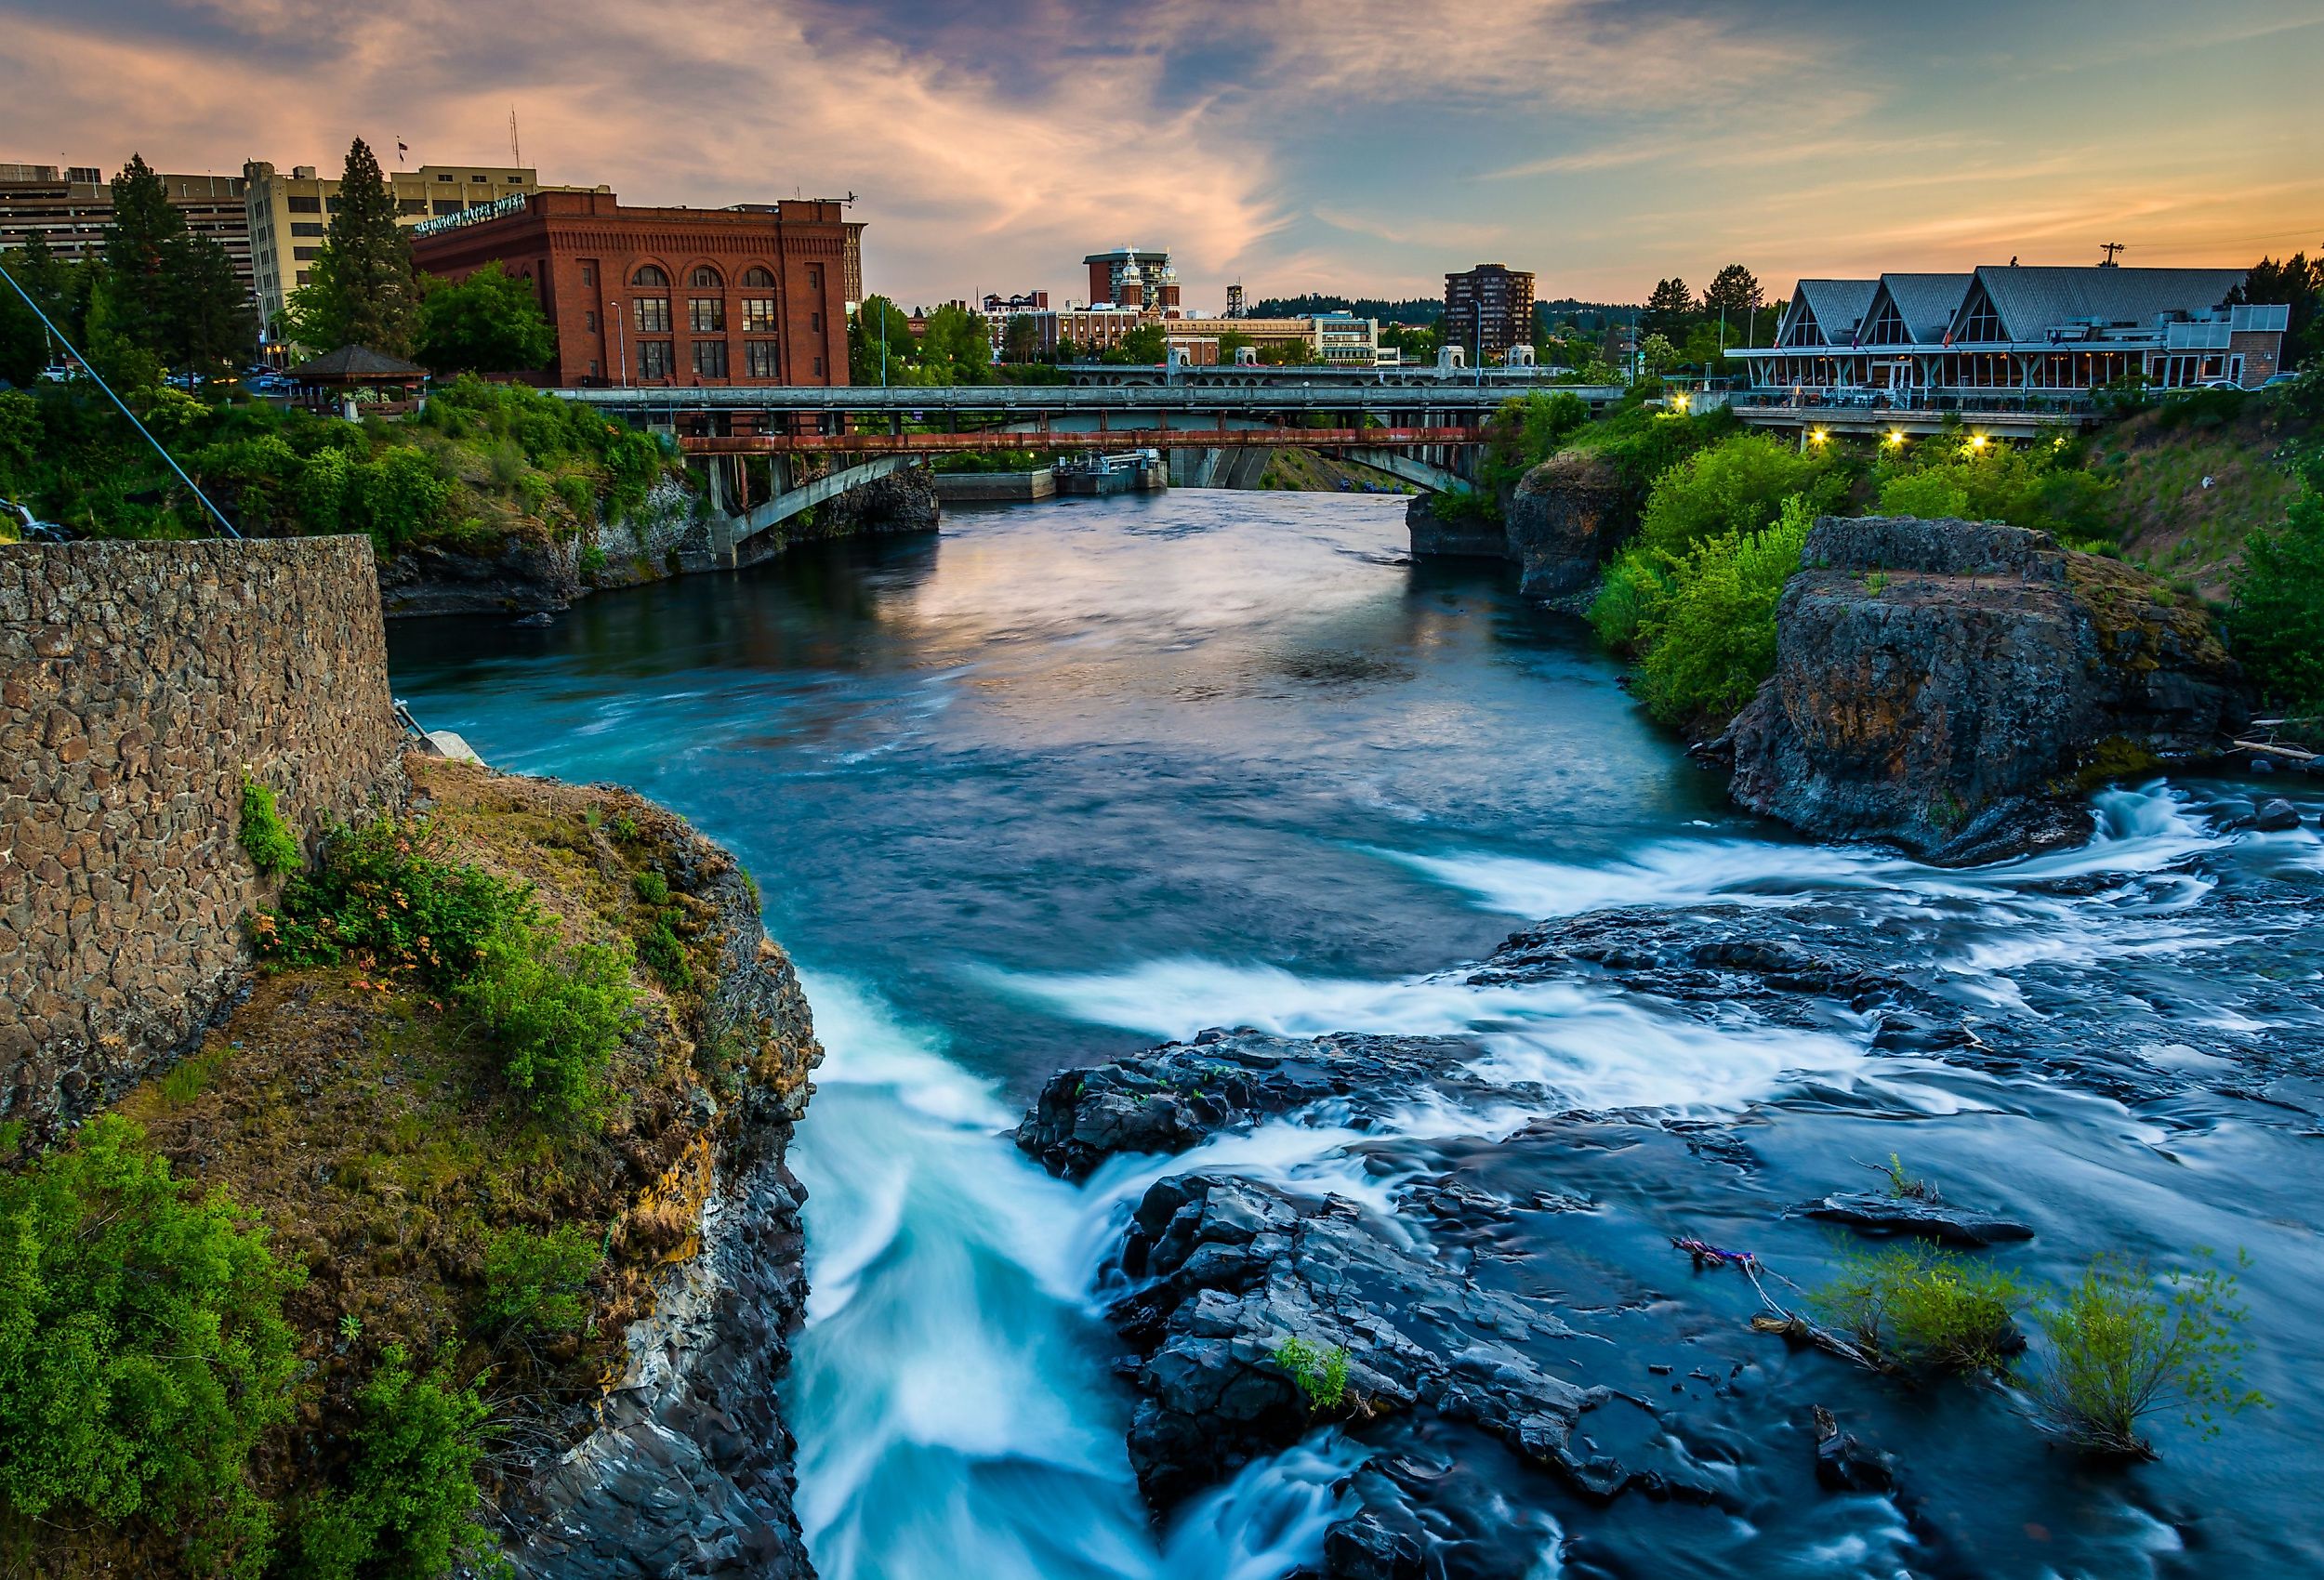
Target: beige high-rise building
{"points": [[290, 214]]}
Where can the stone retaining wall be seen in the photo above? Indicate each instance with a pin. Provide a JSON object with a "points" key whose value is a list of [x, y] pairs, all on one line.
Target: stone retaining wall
{"points": [[137, 683]]}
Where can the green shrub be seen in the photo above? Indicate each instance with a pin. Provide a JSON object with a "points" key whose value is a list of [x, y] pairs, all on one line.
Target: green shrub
{"points": [[1630, 600], [1710, 638], [2122, 1347], [271, 847], [1997, 483], [2276, 623], [408, 1508], [579, 497], [665, 956], [398, 498], [1737, 485], [536, 1282], [1924, 1309], [142, 1347], [652, 887], [382, 889], [557, 1012], [1321, 1375]]}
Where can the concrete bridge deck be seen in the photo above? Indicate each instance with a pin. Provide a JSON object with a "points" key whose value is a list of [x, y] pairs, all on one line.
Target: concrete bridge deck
{"points": [[1448, 399]]}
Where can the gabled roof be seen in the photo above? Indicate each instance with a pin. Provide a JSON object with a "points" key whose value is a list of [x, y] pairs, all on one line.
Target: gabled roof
{"points": [[355, 362], [1925, 302], [2030, 300], [1837, 307]]}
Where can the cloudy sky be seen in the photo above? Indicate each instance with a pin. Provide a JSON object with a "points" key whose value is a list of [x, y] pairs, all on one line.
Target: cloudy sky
{"points": [[1358, 146]]}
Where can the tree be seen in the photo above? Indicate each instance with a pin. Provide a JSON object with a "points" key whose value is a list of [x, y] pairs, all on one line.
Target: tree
{"points": [[1667, 309], [2296, 283], [216, 327], [1021, 339], [1145, 345], [1658, 353], [24, 343], [958, 337], [145, 237], [367, 294], [880, 343], [488, 323], [1735, 291]]}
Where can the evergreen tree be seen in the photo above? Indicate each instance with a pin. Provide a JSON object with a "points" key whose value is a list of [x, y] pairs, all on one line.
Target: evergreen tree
{"points": [[1735, 291], [146, 237], [23, 344], [1668, 308], [376, 295], [216, 327], [2299, 284]]}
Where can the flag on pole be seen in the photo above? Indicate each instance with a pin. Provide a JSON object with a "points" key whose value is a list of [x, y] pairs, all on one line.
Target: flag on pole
{"points": [[402, 149]]}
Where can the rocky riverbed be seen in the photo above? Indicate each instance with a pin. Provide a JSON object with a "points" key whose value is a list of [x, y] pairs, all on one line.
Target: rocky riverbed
{"points": [[1500, 1270]]}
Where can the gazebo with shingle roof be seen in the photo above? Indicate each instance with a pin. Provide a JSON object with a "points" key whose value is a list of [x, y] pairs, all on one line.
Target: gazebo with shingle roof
{"points": [[334, 377]]}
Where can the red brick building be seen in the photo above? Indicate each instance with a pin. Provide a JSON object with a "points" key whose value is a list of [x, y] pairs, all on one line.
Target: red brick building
{"points": [[756, 294]]}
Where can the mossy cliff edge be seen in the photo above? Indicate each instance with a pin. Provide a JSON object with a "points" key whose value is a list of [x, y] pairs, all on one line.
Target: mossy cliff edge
{"points": [[604, 1294]]}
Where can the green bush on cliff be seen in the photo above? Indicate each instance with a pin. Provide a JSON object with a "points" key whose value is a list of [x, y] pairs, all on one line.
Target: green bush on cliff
{"points": [[143, 1349], [1737, 485], [407, 1508], [1702, 624], [1955, 477], [536, 1282], [2275, 624], [556, 1012], [383, 897]]}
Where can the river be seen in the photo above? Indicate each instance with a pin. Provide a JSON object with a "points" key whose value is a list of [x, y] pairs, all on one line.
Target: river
{"points": [[1073, 778]]}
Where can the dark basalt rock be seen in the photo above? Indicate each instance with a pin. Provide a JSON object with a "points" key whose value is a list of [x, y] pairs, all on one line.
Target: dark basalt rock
{"points": [[1568, 517], [1867, 1212], [1169, 1100], [1845, 1464], [1469, 535], [2275, 815], [1951, 685], [1235, 1268]]}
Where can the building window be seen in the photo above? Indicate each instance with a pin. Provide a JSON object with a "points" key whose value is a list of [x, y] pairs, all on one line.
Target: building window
{"points": [[449, 206], [444, 176], [649, 274], [705, 276], [654, 360], [759, 360], [411, 206], [592, 367], [818, 367], [308, 228], [305, 206], [710, 359], [654, 315], [480, 181], [707, 315], [589, 318], [303, 255], [589, 274], [814, 278], [331, 204], [756, 278], [758, 315], [302, 276], [814, 322]]}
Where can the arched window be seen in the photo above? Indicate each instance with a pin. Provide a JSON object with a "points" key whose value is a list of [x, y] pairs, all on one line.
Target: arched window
{"points": [[704, 275], [649, 275], [757, 278]]}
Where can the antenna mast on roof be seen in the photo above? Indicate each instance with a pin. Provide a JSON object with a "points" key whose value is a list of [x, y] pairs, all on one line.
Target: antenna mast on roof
{"points": [[516, 149], [2110, 248]]}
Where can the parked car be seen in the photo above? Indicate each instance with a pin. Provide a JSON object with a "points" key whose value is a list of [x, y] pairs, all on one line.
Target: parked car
{"points": [[56, 372], [2221, 383], [2273, 379]]}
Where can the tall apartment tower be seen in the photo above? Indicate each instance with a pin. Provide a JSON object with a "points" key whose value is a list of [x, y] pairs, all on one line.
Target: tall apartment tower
{"points": [[1235, 300], [1489, 309]]}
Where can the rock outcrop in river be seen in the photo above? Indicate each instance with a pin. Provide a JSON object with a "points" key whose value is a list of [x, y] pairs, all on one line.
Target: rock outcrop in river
{"points": [[1565, 518], [1952, 686]]}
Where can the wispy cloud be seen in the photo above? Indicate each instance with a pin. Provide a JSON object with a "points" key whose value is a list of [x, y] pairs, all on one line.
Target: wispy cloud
{"points": [[1363, 145]]}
